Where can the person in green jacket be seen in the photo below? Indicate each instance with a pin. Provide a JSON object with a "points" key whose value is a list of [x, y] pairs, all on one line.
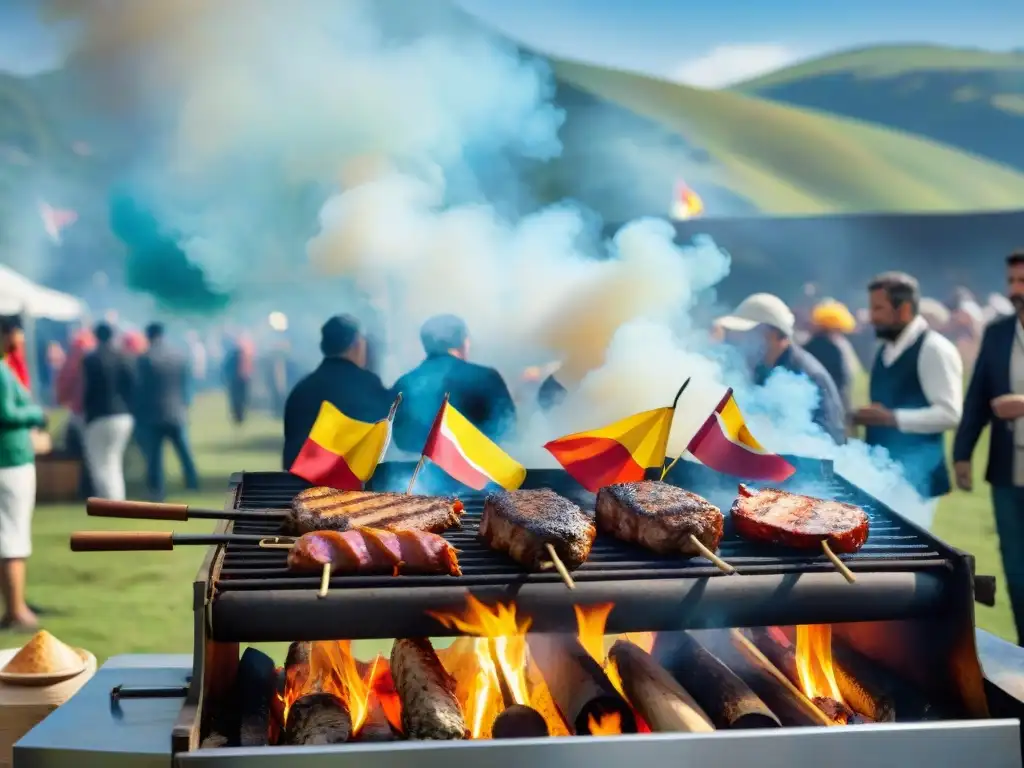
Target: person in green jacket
{"points": [[18, 417]]}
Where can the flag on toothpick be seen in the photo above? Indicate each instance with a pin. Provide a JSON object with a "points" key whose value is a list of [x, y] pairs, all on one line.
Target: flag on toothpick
{"points": [[724, 444], [686, 204], [342, 452], [56, 220], [619, 452], [467, 454]]}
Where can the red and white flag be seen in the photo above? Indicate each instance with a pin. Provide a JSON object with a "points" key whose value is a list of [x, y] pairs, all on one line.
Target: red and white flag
{"points": [[56, 220]]}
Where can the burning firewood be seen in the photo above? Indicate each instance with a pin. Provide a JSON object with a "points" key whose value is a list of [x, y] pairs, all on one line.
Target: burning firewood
{"points": [[578, 685], [790, 706], [728, 701], [542, 701], [255, 687], [317, 718], [430, 709], [871, 706], [519, 722], [655, 695]]}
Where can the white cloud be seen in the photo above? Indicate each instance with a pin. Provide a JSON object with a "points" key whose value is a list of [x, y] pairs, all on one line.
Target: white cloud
{"points": [[728, 64]]}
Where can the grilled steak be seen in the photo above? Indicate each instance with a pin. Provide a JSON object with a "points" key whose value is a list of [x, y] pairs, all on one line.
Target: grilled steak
{"points": [[803, 522], [430, 709], [325, 509], [659, 516], [521, 523]]}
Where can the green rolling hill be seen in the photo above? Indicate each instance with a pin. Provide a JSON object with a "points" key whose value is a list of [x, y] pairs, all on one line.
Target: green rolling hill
{"points": [[969, 99], [790, 160]]}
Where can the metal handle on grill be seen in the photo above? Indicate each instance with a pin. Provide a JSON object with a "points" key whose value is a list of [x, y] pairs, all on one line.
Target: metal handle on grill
{"points": [[985, 590], [136, 510], [121, 541]]}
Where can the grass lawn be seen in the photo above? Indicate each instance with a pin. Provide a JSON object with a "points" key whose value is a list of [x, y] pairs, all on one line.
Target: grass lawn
{"points": [[130, 602]]}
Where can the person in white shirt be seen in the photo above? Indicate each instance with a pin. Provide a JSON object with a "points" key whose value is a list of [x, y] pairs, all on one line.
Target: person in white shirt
{"points": [[916, 388]]}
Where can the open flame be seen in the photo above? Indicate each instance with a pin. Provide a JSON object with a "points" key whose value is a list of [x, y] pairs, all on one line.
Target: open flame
{"points": [[333, 669], [591, 621], [814, 662], [607, 724], [489, 666]]}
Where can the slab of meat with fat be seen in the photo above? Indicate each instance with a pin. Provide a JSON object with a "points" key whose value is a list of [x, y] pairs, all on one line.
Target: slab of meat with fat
{"points": [[659, 516], [369, 551], [802, 522], [521, 523], [327, 509]]}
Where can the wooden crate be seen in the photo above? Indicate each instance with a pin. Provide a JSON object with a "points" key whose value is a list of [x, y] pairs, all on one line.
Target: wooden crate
{"points": [[57, 478]]}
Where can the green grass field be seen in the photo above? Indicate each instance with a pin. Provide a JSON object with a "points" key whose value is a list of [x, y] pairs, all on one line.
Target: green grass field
{"points": [[129, 602], [789, 160]]}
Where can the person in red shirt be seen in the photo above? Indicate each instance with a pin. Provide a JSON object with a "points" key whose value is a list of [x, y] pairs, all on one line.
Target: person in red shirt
{"points": [[16, 354]]}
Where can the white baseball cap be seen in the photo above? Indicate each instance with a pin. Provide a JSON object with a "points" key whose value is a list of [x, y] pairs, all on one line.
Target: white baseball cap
{"points": [[760, 309]]}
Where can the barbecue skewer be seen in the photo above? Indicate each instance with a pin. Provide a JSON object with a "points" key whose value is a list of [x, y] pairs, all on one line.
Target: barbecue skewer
{"points": [[716, 561], [151, 510], [152, 541], [839, 564], [556, 561]]}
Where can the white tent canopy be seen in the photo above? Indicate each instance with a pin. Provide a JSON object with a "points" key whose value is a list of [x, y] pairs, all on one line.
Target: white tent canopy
{"points": [[19, 295]]}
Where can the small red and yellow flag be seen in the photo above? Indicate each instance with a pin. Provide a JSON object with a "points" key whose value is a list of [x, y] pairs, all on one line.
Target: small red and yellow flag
{"points": [[342, 452], [724, 444], [617, 453], [468, 455]]}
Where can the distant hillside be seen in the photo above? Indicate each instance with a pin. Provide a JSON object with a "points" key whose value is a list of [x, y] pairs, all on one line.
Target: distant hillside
{"points": [[969, 99], [790, 160]]}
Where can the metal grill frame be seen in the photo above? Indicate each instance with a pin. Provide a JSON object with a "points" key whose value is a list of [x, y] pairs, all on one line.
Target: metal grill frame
{"points": [[945, 593], [902, 572]]}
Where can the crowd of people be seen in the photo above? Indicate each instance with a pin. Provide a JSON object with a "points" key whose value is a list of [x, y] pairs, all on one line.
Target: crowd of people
{"points": [[125, 389]]}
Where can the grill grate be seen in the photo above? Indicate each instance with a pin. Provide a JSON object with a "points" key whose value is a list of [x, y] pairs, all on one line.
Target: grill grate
{"points": [[257, 599]]}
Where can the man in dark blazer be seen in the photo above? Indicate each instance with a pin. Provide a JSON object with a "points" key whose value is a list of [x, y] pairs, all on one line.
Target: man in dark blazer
{"points": [[341, 379], [163, 394], [477, 392], [996, 397]]}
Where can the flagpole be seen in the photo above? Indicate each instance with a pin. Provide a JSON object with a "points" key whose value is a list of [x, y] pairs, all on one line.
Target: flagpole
{"points": [[680, 393], [423, 458], [675, 402]]}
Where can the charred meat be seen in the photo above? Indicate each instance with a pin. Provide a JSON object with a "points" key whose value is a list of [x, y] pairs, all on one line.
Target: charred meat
{"points": [[802, 522], [325, 509], [369, 551], [521, 523], [659, 516], [430, 709]]}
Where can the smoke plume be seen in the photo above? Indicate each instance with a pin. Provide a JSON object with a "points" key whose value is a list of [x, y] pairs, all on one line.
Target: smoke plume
{"points": [[381, 145]]}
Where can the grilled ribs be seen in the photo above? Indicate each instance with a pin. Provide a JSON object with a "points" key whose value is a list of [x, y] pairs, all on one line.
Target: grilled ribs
{"points": [[521, 523], [802, 522], [366, 551], [326, 509], [659, 516]]}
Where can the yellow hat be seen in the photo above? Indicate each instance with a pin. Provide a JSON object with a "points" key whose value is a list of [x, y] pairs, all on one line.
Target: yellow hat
{"points": [[833, 316]]}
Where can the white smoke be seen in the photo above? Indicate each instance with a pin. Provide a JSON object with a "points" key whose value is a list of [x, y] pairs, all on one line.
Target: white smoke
{"points": [[400, 120]]}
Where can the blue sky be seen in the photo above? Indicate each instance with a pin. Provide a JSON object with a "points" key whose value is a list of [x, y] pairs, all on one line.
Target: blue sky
{"points": [[709, 43]]}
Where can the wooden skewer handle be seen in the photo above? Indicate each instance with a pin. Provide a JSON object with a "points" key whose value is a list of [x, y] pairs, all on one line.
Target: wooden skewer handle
{"points": [[136, 510], [121, 541]]}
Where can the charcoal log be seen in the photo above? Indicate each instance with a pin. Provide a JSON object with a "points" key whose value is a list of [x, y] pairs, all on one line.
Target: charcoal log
{"points": [[893, 697], [519, 722], [317, 718], [859, 695], [580, 689], [430, 708], [255, 690], [215, 740], [656, 696], [728, 701]]}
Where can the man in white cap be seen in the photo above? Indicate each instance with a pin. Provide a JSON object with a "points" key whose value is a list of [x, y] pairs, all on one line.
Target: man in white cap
{"points": [[762, 326]]}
